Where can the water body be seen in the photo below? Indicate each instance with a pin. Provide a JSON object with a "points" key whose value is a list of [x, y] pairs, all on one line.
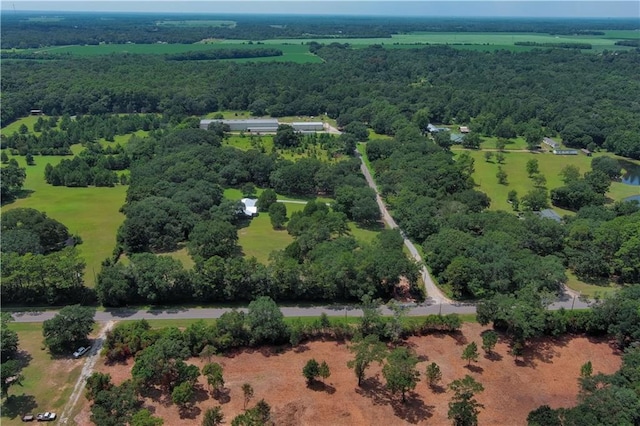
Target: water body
{"points": [[631, 174]]}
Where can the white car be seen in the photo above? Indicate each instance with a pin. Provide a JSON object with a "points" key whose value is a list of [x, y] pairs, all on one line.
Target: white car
{"points": [[46, 417], [81, 351]]}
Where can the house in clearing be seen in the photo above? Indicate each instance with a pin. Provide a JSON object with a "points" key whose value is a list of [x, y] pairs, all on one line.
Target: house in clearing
{"points": [[253, 125], [550, 143], [250, 208], [464, 129]]}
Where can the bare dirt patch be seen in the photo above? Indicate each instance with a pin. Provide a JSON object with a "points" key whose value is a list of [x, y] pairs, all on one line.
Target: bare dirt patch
{"points": [[547, 374]]}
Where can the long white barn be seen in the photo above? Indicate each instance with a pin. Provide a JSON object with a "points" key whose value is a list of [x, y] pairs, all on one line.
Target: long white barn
{"points": [[264, 125]]}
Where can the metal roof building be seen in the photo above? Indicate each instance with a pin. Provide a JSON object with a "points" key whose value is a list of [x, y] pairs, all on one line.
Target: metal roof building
{"points": [[307, 126], [262, 125]]}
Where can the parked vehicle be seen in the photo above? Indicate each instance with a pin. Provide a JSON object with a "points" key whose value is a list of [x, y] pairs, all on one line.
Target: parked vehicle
{"points": [[46, 417], [28, 418], [81, 351]]}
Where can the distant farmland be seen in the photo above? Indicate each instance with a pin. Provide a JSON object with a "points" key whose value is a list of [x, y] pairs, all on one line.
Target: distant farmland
{"points": [[297, 50]]}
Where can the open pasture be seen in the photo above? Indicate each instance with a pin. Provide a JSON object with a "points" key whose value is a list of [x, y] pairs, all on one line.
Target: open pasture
{"points": [[517, 178], [93, 213], [472, 40]]}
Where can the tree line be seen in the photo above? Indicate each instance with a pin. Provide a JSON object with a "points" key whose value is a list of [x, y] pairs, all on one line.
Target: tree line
{"points": [[209, 55], [368, 85]]}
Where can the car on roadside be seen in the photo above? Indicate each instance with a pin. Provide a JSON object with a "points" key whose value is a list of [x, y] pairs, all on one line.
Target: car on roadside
{"points": [[81, 351], [46, 417]]}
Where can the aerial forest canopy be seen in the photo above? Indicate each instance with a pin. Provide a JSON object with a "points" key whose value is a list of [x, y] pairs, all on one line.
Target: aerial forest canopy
{"points": [[583, 97]]}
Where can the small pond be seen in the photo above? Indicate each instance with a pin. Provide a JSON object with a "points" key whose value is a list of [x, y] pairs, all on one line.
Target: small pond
{"points": [[631, 175]]}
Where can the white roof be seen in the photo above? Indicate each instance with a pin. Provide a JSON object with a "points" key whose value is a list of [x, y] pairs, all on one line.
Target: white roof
{"points": [[250, 208]]}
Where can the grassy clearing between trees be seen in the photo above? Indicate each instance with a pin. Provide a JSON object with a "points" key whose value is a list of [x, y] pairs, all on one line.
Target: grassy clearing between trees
{"points": [[47, 383], [93, 213], [590, 290], [517, 178]]}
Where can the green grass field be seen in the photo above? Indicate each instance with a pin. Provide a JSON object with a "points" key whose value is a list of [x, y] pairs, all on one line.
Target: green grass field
{"points": [[550, 166], [15, 126], [89, 212], [47, 383], [259, 239], [589, 290], [482, 41]]}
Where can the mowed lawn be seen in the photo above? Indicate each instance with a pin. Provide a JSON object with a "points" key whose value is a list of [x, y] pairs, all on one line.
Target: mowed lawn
{"points": [[47, 383], [259, 239], [515, 165], [93, 213]]}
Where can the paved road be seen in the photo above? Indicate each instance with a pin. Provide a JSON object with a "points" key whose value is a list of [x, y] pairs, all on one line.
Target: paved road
{"points": [[426, 308], [434, 294]]}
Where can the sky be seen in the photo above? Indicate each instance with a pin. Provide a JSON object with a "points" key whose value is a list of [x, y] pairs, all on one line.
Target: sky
{"points": [[456, 8]]}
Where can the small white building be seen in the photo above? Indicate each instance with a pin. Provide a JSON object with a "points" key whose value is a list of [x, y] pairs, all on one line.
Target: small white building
{"points": [[250, 208]]}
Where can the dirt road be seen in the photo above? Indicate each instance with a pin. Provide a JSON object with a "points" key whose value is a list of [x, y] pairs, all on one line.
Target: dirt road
{"points": [[89, 364]]}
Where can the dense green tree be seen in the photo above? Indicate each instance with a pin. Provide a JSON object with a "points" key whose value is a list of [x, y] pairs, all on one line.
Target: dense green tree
{"points": [[470, 353], [311, 370], [145, 418], [116, 405], [366, 350], [213, 238], [155, 223], [247, 392], [213, 416], [68, 329], [471, 141], [286, 137], [266, 199], [536, 199], [400, 371], [8, 338], [502, 176], [570, 173], [97, 383], [10, 374], [266, 322], [11, 180], [278, 215], [532, 167], [182, 394], [433, 374], [464, 408], [607, 165], [357, 129], [214, 374], [489, 340]]}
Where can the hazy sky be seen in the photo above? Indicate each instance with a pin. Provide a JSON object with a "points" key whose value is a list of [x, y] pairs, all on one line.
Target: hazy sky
{"points": [[479, 8]]}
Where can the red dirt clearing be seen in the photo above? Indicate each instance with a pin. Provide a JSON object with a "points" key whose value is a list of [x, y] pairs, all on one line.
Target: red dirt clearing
{"points": [[547, 375]]}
